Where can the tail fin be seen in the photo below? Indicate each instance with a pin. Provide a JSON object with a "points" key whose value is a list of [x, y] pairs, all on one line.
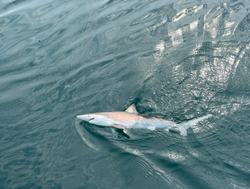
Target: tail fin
{"points": [[184, 126]]}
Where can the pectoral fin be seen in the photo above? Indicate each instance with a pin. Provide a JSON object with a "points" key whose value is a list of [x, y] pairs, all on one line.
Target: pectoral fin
{"points": [[118, 133]]}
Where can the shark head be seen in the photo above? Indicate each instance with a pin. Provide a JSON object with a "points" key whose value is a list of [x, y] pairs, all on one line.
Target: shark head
{"points": [[120, 120], [97, 119]]}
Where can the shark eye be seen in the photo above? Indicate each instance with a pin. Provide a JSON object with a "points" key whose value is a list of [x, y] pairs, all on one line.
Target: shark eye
{"points": [[91, 119]]}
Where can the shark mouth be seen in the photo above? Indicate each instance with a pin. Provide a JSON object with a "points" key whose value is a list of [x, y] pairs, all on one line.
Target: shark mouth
{"points": [[91, 119]]}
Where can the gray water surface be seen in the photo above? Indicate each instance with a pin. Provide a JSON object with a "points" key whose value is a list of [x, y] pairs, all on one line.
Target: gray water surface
{"points": [[177, 60]]}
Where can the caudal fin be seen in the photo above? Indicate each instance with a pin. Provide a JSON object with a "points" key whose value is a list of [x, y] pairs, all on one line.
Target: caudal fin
{"points": [[184, 126]]}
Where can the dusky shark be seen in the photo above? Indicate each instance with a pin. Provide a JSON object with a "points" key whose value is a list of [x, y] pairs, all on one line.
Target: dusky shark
{"points": [[130, 119]]}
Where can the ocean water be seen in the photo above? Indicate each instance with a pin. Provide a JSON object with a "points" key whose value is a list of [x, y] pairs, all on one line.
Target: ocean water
{"points": [[176, 59]]}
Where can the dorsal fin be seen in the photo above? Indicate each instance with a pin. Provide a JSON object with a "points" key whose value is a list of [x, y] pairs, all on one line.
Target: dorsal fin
{"points": [[132, 109]]}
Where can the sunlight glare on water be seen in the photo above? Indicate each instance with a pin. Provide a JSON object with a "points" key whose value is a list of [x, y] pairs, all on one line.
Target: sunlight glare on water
{"points": [[177, 60]]}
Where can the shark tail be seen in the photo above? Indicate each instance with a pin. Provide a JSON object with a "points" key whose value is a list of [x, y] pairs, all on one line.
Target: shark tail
{"points": [[184, 126]]}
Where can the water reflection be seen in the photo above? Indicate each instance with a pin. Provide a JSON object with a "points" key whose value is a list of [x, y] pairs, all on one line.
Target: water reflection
{"points": [[181, 59], [186, 12]]}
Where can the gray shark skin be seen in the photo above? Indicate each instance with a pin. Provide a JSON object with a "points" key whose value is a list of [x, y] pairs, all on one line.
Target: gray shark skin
{"points": [[130, 119]]}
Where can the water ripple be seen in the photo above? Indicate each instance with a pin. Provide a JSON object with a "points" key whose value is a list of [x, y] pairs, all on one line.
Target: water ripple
{"points": [[177, 59]]}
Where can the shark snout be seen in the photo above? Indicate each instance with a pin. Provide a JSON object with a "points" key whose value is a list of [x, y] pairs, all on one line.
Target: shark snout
{"points": [[85, 117], [96, 119]]}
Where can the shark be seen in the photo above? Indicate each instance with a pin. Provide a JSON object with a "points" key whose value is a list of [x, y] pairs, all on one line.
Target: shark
{"points": [[131, 119]]}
